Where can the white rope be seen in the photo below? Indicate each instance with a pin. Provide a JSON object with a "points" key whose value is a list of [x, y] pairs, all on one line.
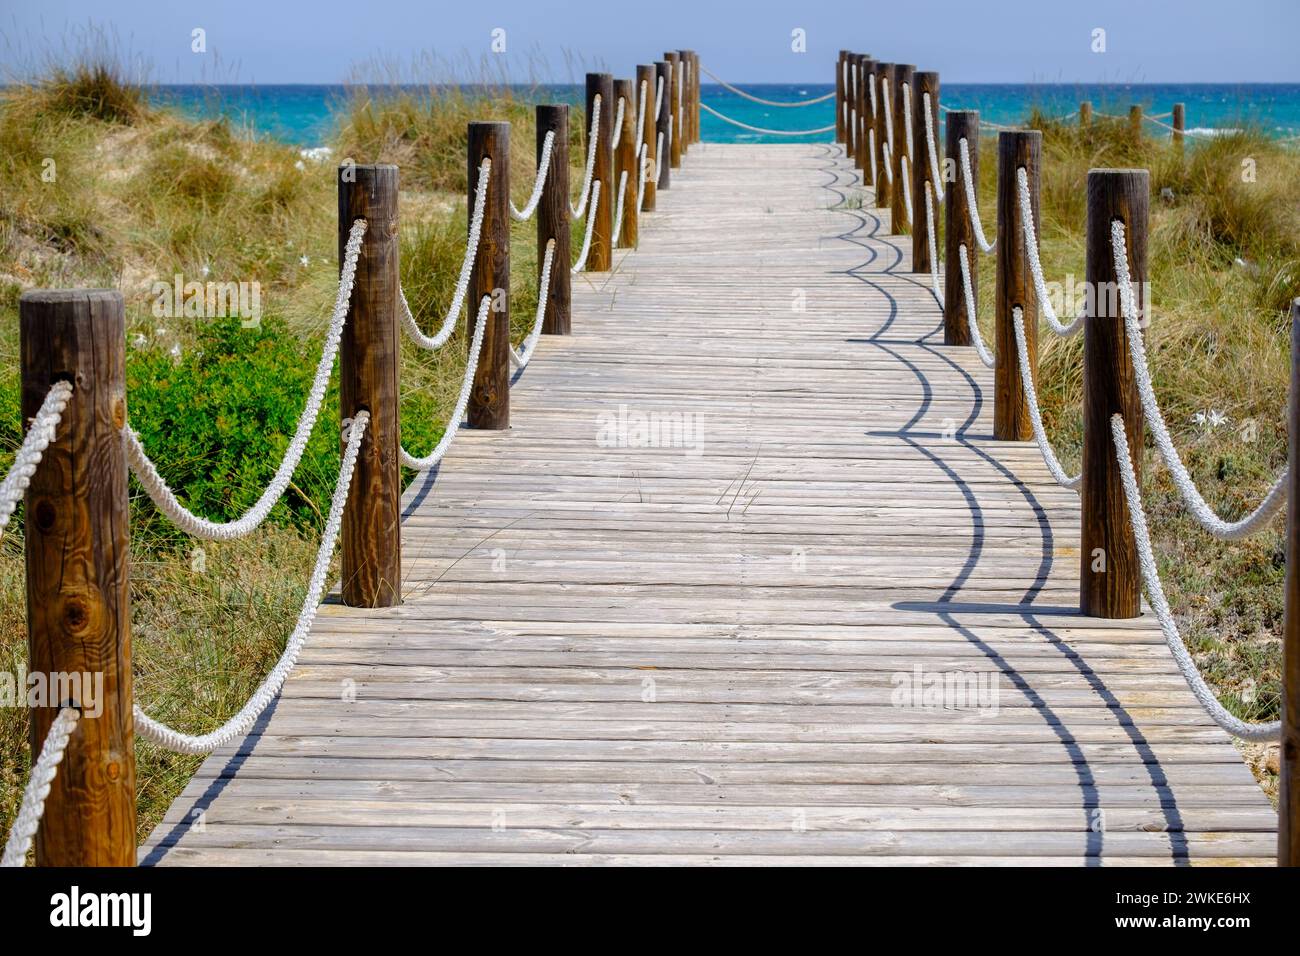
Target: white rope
{"points": [[1036, 267], [1156, 594], [543, 164], [659, 153], [659, 97], [520, 358], [888, 163], [910, 145], [971, 205], [1199, 508], [871, 89], [44, 770], [462, 401], [578, 210], [639, 132], [200, 527], [756, 99], [871, 158], [907, 189], [616, 132], [964, 260], [618, 206], [929, 235], [44, 428], [644, 166], [889, 118], [241, 723], [935, 176], [1035, 415], [435, 341], [768, 132], [591, 223]]}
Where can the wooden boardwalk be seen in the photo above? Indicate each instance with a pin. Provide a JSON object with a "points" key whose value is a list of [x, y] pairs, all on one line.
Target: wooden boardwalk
{"points": [[695, 653]]}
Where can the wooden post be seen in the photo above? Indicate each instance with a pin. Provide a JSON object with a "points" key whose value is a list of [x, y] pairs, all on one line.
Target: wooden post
{"points": [[1135, 123], [1110, 580], [839, 96], [867, 69], [1179, 124], [600, 255], [695, 96], [851, 101], [958, 231], [859, 112], [1085, 114], [687, 82], [625, 162], [646, 74], [673, 104], [1288, 793], [663, 124], [77, 540], [884, 87], [553, 220], [1015, 285], [899, 223], [369, 356], [489, 397], [922, 83]]}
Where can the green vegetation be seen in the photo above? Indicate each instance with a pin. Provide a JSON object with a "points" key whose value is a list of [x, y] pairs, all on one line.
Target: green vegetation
{"points": [[106, 190]]}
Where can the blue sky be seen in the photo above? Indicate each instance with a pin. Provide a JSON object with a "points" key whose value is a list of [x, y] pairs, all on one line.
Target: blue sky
{"points": [[327, 41]]}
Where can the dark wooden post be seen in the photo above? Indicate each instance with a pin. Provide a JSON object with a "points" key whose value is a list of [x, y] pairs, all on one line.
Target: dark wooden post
{"points": [[1288, 792], [1110, 579], [839, 96], [625, 162], [865, 159], [646, 74], [884, 167], [1015, 285], [489, 397], [684, 58], [600, 255], [851, 83], [1085, 114], [673, 104], [694, 95], [553, 220], [859, 88], [1179, 123], [922, 83], [368, 365], [78, 601], [664, 124], [1135, 123], [899, 222], [958, 231]]}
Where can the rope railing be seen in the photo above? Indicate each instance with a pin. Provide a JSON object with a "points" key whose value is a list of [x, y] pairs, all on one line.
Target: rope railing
{"points": [[973, 329], [764, 130], [448, 324], [758, 99], [1194, 501], [196, 525], [43, 429], [39, 781], [591, 226], [521, 356], [1035, 266], [581, 206], [1035, 415], [972, 205], [242, 722], [543, 165]]}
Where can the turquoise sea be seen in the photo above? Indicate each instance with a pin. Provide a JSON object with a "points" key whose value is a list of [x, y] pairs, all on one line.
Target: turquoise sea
{"points": [[304, 114]]}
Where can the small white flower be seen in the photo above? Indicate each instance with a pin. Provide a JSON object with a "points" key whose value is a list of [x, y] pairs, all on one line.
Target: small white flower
{"points": [[138, 340], [303, 260], [1216, 418], [175, 351], [299, 165], [160, 331], [206, 270]]}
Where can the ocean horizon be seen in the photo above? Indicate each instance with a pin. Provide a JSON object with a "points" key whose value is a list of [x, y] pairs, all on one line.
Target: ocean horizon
{"points": [[305, 114]]}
